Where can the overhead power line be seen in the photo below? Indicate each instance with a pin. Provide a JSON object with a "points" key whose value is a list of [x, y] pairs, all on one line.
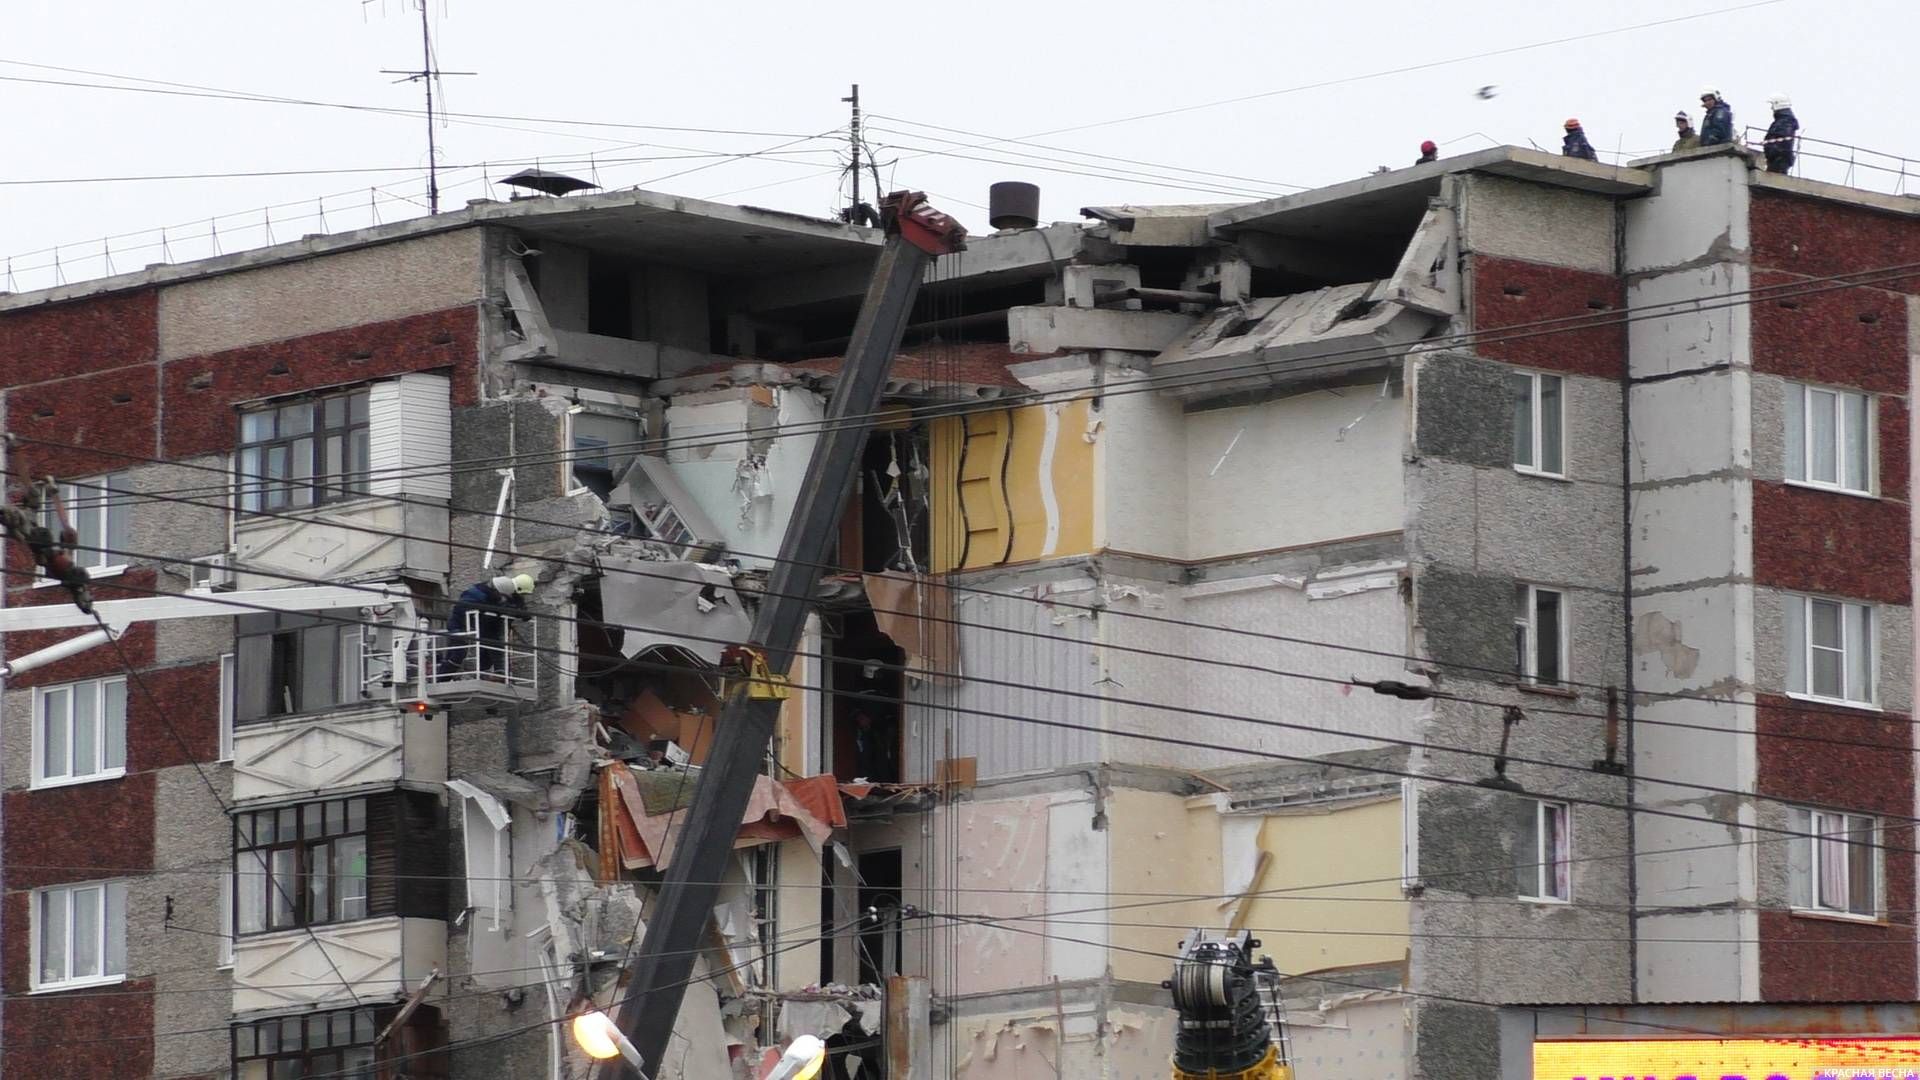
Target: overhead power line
{"points": [[1239, 749]]}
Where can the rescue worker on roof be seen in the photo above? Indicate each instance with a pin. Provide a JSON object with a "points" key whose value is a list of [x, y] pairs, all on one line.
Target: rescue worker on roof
{"points": [[1428, 152], [480, 614], [1781, 134], [1575, 144], [1687, 137], [1716, 125]]}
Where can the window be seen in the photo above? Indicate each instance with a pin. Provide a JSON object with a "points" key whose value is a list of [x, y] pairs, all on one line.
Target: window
{"points": [[336, 1045], [1538, 422], [1835, 867], [290, 662], [226, 706], [300, 865], [601, 446], [226, 919], [79, 935], [1541, 851], [306, 452], [79, 732], [1539, 634], [1829, 438], [1830, 649], [97, 509]]}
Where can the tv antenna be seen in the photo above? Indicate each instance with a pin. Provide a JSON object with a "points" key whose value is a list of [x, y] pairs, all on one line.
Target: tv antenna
{"points": [[427, 76]]}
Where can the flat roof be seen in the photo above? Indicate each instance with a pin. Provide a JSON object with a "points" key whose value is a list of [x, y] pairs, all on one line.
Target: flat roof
{"points": [[717, 237], [1392, 202]]}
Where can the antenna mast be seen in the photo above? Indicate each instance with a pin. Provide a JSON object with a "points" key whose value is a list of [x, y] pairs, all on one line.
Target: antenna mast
{"points": [[427, 75]]}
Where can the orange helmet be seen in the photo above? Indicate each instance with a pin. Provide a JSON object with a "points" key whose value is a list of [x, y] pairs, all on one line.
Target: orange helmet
{"points": [[1572, 123]]}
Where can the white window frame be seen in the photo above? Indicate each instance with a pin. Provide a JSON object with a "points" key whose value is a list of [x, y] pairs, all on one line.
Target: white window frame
{"points": [[1798, 616], [227, 923], [97, 564], [1537, 451], [1552, 870], [65, 895], [98, 688], [1528, 628], [1813, 824], [1796, 405], [1409, 835], [609, 412], [228, 676]]}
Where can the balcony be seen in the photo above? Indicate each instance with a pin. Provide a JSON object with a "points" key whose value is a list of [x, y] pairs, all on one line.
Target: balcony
{"points": [[377, 960], [361, 540], [347, 747]]}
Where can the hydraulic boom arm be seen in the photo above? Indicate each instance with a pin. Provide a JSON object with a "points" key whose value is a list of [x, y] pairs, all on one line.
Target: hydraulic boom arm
{"points": [[657, 978]]}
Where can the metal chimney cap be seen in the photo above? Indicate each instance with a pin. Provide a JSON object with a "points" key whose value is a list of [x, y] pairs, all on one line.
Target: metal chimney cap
{"points": [[547, 183], [1013, 204]]}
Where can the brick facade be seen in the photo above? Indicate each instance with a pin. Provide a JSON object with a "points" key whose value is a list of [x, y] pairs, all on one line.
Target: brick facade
{"points": [[1511, 293]]}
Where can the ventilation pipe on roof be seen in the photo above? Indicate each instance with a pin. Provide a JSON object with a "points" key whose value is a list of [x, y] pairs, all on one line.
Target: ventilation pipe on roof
{"points": [[1013, 204]]}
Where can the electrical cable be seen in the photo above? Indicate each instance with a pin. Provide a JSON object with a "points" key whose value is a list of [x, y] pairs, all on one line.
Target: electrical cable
{"points": [[504, 163], [1380, 770], [1433, 692]]}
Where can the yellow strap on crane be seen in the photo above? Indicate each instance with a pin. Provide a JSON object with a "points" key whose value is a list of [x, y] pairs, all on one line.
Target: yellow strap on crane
{"points": [[761, 684], [1267, 1068]]}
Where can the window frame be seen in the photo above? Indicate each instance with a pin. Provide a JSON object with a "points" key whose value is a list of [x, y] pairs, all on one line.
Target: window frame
{"points": [[349, 659], [362, 1025], [1801, 626], [104, 951], [1528, 661], [109, 559], [1806, 823], [229, 707], [298, 895], [570, 484], [1870, 468], [1537, 437], [1552, 870], [39, 777], [321, 484]]}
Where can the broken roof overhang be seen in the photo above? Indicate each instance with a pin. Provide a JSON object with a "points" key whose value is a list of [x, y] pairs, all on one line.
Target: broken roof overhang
{"points": [[1326, 335], [683, 605], [1176, 225], [647, 821], [1392, 202]]}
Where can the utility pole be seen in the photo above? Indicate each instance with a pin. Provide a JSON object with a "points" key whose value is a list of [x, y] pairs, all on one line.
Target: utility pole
{"points": [[857, 213], [426, 75]]}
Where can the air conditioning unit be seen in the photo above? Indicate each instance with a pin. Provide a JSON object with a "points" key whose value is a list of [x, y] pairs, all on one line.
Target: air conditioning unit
{"points": [[211, 573]]}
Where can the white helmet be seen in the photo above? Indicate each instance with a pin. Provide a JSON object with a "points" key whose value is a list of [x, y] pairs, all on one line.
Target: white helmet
{"points": [[1779, 101], [1710, 92]]}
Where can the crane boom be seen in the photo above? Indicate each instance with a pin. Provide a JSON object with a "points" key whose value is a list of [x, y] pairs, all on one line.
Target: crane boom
{"points": [[657, 978]]}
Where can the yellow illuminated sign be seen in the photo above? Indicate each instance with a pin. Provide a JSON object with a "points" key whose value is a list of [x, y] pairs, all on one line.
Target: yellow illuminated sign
{"points": [[1781, 1058]]}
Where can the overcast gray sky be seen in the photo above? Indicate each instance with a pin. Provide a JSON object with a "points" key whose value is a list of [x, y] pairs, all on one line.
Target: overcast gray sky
{"points": [[774, 72]]}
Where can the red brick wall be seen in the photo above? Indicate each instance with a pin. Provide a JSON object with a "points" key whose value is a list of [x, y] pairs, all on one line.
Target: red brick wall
{"points": [[1846, 337], [84, 336], [103, 1032], [79, 832], [1814, 959], [113, 412], [1819, 239], [201, 391], [1824, 542], [1507, 292], [190, 695]]}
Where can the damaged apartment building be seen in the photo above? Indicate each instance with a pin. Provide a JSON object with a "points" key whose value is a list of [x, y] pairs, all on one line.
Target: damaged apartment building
{"points": [[1437, 575]]}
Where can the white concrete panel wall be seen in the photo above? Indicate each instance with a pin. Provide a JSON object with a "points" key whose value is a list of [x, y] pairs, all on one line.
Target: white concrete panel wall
{"points": [[1370, 1038], [1076, 884], [1142, 495], [1284, 473], [1217, 483], [1215, 678], [708, 472], [1692, 461]]}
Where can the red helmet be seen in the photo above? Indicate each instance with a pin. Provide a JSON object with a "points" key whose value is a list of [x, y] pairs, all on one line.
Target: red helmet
{"points": [[1572, 123], [1428, 147]]}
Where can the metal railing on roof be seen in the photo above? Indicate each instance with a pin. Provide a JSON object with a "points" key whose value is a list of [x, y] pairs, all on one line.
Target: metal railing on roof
{"points": [[1843, 163]]}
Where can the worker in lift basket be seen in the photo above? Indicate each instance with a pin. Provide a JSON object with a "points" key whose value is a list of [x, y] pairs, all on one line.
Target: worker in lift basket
{"points": [[494, 601]]}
